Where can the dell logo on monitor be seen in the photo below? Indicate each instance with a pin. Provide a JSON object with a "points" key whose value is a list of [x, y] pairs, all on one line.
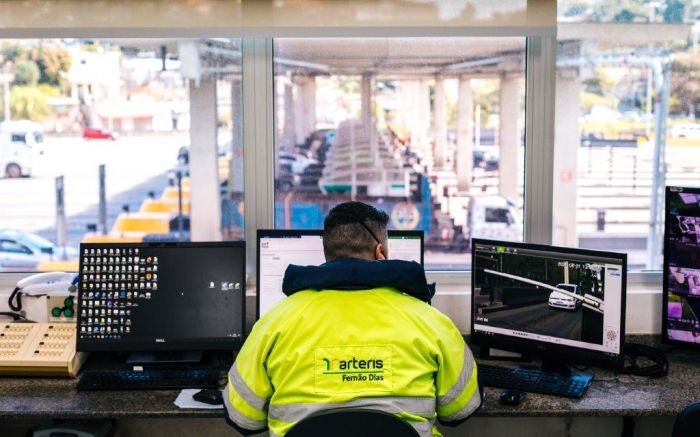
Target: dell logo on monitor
{"points": [[160, 340]]}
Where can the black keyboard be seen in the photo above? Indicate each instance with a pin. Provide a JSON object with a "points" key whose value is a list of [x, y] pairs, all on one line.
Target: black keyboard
{"points": [[533, 380], [149, 379]]}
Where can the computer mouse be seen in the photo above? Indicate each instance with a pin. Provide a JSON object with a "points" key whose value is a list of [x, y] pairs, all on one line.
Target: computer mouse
{"points": [[209, 396], [512, 397]]}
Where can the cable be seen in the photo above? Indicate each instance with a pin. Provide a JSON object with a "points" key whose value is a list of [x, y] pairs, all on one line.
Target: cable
{"points": [[16, 316], [15, 296], [635, 351]]}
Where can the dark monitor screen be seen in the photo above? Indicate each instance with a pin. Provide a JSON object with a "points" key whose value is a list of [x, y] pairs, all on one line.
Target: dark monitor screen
{"points": [[161, 296], [277, 249], [549, 300], [681, 318]]}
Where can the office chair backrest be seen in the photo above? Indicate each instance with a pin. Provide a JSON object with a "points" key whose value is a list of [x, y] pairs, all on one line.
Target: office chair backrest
{"points": [[688, 421], [352, 423]]}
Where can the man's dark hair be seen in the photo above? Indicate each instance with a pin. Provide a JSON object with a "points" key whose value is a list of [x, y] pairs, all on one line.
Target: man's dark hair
{"points": [[352, 230]]}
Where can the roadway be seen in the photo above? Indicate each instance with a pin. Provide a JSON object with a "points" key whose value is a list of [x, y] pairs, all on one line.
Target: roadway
{"points": [[540, 319], [134, 166]]}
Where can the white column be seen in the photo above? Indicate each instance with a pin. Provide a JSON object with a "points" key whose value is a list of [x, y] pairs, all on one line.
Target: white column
{"points": [[289, 136], [205, 215], [236, 177], [566, 144], [305, 107], [366, 101], [465, 129], [440, 120], [509, 137], [424, 120]]}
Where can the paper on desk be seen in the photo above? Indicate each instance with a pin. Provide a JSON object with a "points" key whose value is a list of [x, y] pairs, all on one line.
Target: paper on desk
{"points": [[184, 400]]}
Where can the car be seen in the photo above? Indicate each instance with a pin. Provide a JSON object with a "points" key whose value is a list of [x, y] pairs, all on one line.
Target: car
{"points": [[564, 301], [18, 140], [297, 163], [93, 133], [23, 251]]}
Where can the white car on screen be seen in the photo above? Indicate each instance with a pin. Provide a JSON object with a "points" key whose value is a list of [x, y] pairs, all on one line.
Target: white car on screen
{"points": [[564, 301]]}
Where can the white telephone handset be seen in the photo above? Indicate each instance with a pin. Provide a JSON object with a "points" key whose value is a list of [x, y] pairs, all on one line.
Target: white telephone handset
{"points": [[43, 284]]}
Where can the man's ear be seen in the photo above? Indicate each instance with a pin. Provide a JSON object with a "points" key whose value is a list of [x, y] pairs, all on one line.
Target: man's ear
{"points": [[378, 254]]}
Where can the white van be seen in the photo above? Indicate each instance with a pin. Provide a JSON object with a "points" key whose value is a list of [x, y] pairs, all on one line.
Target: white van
{"points": [[17, 141], [493, 218]]}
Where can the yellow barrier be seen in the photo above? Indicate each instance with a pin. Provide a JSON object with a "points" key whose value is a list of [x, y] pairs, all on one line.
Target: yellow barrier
{"points": [[171, 193], [147, 222], [70, 265], [168, 206], [132, 237]]}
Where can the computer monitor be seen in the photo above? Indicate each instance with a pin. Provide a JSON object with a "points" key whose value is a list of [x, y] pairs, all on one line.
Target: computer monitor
{"points": [[562, 305], [279, 248], [161, 296], [681, 296]]}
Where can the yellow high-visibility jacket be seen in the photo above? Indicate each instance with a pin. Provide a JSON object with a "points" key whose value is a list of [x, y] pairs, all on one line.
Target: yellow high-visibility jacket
{"points": [[376, 348]]}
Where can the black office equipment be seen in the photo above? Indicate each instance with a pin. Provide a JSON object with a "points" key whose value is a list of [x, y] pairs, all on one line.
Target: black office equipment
{"points": [[512, 397], [681, 294], [161, 297], [534, 380], [212, 396], [565, 306], [352, 423], [149, 379], [165, 304]]}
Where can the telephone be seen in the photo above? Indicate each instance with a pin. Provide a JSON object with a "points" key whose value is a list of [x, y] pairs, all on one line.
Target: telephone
{"points": [[39, 349], [53, 298]]}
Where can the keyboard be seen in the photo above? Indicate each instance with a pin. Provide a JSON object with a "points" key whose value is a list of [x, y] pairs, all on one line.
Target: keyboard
{"points": [[150, 379], [535, 381]]}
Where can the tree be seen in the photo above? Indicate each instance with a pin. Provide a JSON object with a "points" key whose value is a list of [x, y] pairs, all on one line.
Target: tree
{"points": [[27, 73], [674, 12], [53, 62], [685, 84], [28, 102]]}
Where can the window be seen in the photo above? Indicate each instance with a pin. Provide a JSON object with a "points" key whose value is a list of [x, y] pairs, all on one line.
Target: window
{"points": [[13, 247], [430, 130], [157, 123], [625, 70]]}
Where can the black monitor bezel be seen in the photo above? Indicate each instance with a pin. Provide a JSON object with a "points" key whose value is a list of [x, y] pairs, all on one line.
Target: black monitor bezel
{"points": [[541, 349], [280, 233], [209, 344], [664, 292]]}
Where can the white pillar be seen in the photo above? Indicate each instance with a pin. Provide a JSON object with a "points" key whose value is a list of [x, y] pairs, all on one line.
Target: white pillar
{"points": [[289, 136], [305, 107], [566, 144], [424, 121], [366, 101], [509, 137], [236, 177], [465, 129], [440, 120], [205, 215]]}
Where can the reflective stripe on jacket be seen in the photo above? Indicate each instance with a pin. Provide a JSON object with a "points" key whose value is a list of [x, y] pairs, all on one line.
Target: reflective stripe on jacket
{"points": [[377, 348]]}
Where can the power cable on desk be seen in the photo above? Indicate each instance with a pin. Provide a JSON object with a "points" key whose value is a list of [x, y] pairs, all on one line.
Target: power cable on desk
{"points": [[17, 317], [635, 351]]}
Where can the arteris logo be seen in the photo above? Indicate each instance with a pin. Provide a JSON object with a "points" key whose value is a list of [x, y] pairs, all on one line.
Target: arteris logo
{"points": [[352, 365], [353, 368]]}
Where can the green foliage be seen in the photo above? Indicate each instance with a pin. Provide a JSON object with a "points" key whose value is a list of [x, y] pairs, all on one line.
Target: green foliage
{"points": [[26, 73], [28, 102], [53, 62], [674, 12], [685, 84]]}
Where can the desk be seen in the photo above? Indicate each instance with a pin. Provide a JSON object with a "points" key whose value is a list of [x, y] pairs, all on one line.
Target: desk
{"points": [[610, 395]]}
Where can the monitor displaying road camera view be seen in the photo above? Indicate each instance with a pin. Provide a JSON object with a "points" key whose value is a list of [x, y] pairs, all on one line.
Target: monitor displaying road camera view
{"points": [[547, 299], [681, 319]]}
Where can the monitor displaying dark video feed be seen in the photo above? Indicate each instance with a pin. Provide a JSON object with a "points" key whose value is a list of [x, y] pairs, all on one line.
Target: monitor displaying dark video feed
{"points": [[681, 319]]}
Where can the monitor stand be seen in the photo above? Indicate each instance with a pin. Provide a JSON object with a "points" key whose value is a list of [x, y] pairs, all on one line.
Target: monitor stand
{"points": [[179, 357], [551, 363]]}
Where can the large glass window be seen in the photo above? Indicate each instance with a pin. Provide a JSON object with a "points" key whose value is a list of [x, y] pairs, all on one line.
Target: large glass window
{"points": [[430, 130], [116, 140], [627, 92]]}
